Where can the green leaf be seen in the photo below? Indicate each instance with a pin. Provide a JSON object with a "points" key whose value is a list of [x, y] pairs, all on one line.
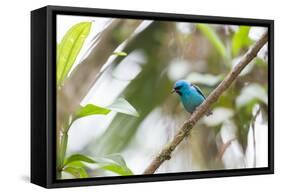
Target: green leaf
{"points": [[240, 39], [69, 48], [212, 36], [77, 172], [76, 164], [78, 157], [120, 105], [121, 54], [121, 170], [123, 106], [91, 109], [117, 158], [114, 163]]}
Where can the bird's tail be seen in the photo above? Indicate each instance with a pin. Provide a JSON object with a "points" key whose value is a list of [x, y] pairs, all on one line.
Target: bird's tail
{"points": [[209, 112]]}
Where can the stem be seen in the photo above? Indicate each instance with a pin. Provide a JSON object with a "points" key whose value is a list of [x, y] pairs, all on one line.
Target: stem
{"points": [[61, 152], [62, 149], [254, 136], [185, 130], [64, 141]]}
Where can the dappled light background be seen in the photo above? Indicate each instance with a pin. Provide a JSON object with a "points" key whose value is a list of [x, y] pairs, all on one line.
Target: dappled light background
{"points": [[158, 54]]}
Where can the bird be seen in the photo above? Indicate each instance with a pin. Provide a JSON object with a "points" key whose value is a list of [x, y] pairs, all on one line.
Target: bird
{"points": [[190, 95]]}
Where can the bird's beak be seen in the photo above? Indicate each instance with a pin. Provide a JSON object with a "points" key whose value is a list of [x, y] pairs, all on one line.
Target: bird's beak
{"points": [[173, 90]]}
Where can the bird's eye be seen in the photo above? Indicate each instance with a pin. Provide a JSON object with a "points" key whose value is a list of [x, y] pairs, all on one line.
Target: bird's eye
{"points": [[178, 87]]}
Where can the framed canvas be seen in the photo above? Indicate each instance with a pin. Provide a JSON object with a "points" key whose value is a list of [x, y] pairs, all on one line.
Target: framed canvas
{"points": [[126, 96]]}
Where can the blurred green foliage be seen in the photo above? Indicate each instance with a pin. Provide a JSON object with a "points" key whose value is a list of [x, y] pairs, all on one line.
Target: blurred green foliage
{"points": [[240, 39], [210, 51]]}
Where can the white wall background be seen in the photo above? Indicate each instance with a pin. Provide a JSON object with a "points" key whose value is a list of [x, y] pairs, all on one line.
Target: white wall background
{"points": [[15, 95]]}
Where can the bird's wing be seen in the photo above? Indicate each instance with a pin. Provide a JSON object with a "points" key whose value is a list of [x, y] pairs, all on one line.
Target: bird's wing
{"points": [[198, 90]]}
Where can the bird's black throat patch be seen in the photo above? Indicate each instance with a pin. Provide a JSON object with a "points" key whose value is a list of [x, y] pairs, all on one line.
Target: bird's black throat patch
{"points": [[179, 92]]}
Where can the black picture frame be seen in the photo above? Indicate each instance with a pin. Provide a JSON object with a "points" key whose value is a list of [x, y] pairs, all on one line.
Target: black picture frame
{"points": [[43, 96]]}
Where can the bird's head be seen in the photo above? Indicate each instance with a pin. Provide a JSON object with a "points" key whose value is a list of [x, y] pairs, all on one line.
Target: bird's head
{"points": [[181, 86]]}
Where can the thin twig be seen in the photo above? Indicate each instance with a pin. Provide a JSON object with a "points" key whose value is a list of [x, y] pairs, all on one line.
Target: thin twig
{"points": [[253, 123], [185, 130], [224, 148]]}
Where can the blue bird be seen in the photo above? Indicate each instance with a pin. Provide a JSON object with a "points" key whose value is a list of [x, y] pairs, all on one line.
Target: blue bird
{"points": [[190, 95]]}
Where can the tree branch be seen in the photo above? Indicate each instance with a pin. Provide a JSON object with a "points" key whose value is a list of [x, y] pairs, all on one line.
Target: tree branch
{"points": [[185, 129]]}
